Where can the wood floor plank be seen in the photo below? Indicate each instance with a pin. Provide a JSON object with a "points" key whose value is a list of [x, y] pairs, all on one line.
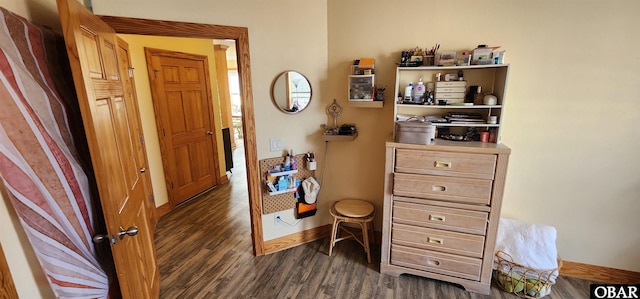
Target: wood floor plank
{"points": [[204, 251]]}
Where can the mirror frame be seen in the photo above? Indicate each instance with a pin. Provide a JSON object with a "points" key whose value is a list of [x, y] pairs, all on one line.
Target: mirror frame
{"points": [[273, 95]]}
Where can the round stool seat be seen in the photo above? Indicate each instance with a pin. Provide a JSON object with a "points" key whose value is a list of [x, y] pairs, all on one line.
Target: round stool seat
{"points": [[354, 208]]}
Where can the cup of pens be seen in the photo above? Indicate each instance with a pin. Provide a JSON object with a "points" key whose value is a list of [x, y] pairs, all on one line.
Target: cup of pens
{"points": [[428, 60], [311, 160]]}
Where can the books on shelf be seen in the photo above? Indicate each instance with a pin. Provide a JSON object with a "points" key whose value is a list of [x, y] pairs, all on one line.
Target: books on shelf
{"points": [[464, 118]]}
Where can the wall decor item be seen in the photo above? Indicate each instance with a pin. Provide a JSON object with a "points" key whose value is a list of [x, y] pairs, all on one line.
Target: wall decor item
{"points": [[291, 92], [447, 58]]}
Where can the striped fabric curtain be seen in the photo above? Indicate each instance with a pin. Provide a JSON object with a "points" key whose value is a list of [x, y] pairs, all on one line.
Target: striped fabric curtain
{"points": [[39, 163]]}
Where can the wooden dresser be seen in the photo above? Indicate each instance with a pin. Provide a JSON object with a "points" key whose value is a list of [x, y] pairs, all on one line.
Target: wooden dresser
{"points": [[441, 210]]}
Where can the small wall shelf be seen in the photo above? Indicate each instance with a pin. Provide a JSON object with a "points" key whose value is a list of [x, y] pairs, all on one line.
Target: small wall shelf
{"points": [[339, 137], [366, 104], [282, 192], [281, 173]]}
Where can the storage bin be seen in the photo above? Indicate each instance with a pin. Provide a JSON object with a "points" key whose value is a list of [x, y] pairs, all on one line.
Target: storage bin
{"points": [[415, 132]]}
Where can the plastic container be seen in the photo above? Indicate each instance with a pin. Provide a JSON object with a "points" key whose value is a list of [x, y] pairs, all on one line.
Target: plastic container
{"points": [[408, 91], [294, 163], [418, 92], [415, 132]]}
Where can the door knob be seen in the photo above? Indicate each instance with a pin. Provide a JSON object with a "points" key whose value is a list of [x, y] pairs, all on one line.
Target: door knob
{"points": [[142, 170], [209, 133], [131, 231], [100, 238]]}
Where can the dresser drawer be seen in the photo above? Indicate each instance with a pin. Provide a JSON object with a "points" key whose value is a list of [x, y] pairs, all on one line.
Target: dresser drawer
{"points": [[437, 240], [437, 262], [474, 191], [459, 220], [481, 166]]}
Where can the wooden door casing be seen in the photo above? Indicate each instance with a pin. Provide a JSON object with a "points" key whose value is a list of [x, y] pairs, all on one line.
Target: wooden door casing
{"points": [[7, 287], [241, 36], [222, 75], [110, 126], [183, 105]]}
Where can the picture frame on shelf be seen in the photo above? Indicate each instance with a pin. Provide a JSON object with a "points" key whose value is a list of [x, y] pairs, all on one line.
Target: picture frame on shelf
{"points": [[447, 58]]}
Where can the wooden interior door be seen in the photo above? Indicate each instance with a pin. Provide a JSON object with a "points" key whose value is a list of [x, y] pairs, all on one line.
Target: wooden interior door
{"points": [[113, 137], [181, 92], [126, 71]]}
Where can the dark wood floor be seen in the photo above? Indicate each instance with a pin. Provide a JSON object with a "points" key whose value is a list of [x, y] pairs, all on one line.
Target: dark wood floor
{"points": [[205, 251]]}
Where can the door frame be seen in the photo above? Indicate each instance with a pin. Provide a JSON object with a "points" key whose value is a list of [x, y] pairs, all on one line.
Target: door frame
{"points": [[160, 122], [241, 36]]}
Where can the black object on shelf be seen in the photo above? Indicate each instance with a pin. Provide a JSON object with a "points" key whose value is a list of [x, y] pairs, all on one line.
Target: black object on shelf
{"points": [[228, 152], [347, 129]]}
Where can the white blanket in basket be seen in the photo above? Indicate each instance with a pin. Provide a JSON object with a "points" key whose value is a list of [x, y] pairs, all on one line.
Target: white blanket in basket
{"points": [[531, 245]]}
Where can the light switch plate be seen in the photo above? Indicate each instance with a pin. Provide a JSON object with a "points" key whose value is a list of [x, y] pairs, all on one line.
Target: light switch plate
{"points": [[276, 144]]}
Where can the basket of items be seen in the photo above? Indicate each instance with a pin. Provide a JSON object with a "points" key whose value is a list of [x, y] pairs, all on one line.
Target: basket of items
{"points": [[526, 260], [523, 281]]}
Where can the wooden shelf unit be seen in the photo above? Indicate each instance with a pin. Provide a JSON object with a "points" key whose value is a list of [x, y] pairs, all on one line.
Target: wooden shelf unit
{"points": [[492, 78]]}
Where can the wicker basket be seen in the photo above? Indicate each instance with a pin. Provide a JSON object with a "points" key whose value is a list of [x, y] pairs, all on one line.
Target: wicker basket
{"points": [[523, 281]]}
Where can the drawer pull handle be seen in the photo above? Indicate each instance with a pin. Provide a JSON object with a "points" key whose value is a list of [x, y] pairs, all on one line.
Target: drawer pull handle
{"points": [[436, 218], [435, 240], [440, 164], [438, 188], [433, 263]]}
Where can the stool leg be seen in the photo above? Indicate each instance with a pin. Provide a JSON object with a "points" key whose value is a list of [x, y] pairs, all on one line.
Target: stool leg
{"points": [[334, 231], [365, 240]]}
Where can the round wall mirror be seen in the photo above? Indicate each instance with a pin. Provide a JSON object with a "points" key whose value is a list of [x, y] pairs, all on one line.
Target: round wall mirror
{"points": [[291, 92]]}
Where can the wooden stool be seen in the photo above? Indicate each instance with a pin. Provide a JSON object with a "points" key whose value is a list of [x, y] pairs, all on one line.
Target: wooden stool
{"points": [[352, 211]]}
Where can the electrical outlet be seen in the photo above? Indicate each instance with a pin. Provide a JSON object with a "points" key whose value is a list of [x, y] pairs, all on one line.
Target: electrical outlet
{"points": [[277, 221], [275, 144]]}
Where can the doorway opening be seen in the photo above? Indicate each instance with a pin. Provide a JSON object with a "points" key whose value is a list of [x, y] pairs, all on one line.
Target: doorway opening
{"points": [[241, 37], [183, 104]]}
